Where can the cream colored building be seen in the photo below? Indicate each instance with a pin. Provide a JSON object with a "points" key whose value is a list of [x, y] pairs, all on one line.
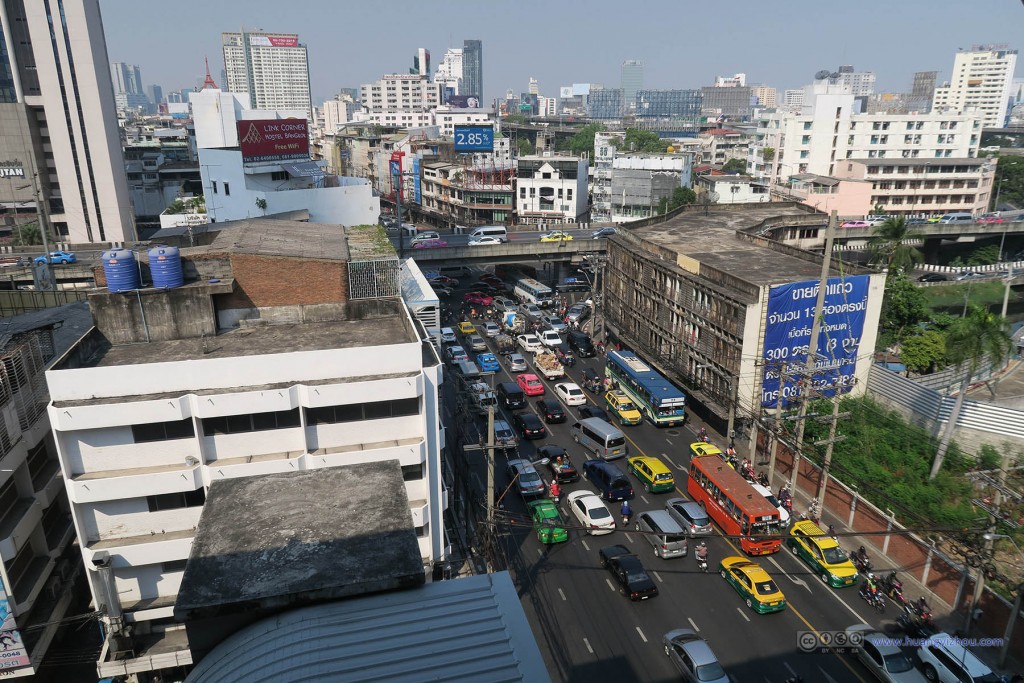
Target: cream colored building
{"points": [[981, 81], [273, 68]]}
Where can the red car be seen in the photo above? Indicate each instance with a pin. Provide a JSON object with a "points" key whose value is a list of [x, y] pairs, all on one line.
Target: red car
{"points": [[429, 244], [530, 384], [478, 298], [990, 219]]}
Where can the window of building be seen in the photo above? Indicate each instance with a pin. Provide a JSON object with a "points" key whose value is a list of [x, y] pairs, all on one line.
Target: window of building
{"points": [[568, 193], [8, 497], [522, 193], [176, 501], [279, 175], [412, 472], [163, 431], [173, 566], [227, 189], [805, 140], [214, 183], [236, 424], [804, 154], [807, 125], [355, 412], [545, 176], [422, 531]]}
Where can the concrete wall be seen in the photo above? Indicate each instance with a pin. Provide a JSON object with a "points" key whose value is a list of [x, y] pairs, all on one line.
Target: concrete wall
{"points": [[153, 314]]}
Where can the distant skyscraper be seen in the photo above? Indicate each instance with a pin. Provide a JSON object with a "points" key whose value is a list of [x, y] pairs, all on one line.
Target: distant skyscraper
{"points": [[534, 88], [473, 69], [126, 78], [793, 100], [56, 82], [421, 63], [272, 67], [449, 71], [982, 78], [156, 94], [920, 99], [632, 78], [766, 95], [861, 84]]}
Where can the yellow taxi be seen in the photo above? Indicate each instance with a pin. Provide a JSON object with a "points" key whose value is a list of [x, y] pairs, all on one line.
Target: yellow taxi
{"points": [[467, 328], [556, 236], [655, 475], [822, 554], [706, 448], [753, 584], [623, 407]]}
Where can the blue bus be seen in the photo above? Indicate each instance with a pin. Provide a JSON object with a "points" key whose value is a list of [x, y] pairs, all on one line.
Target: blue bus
{"points": [[658, 399]]}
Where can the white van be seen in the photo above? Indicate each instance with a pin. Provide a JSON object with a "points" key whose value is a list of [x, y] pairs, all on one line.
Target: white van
{"points": [[607, 442], [497, 231], [956, 218]]}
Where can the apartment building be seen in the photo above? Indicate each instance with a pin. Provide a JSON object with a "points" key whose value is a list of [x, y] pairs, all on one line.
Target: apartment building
{"points": [[861, 83], [449, 71], [400, 100], [40, 566], [981, 82], [766, 95], [475, 193], [914, 187], [551, 189], [287, 349], [271, 68]]}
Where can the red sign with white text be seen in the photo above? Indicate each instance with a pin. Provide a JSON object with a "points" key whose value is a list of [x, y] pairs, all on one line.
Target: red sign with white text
{"points": [[273, 140]]}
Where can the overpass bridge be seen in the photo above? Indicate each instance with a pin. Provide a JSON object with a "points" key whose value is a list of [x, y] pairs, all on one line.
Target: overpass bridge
{"points": [[572, 251]]}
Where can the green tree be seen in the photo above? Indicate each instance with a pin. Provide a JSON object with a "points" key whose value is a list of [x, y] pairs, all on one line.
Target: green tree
{"points": [[734, 166], [515, 118], [583, 141], [903, 308], [924, 352], [1009, 180], [978, 335], [877, 211], [642, 141], [680, 196], [768, 153], [890, 245], [27, 235], [524, 147], [983, 256]]}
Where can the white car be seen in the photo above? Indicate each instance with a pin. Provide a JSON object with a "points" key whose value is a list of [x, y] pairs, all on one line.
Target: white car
{"points": [[550, 338], [946, 660], [491, 329], [516, 363], [457, 354], [483, 239], [880, 655], [570, 393], [530, 343], [447, 335], [784, 519], [425, 237], [592, 513]]}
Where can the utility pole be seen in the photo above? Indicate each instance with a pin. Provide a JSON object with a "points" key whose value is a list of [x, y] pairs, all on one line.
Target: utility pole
{"points": [[832, 440], [986, 552], [812, 348], [734, 389], [489, 534]]}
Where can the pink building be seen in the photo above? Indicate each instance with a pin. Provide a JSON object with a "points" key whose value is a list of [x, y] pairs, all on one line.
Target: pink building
{"points": [[849, 197]]}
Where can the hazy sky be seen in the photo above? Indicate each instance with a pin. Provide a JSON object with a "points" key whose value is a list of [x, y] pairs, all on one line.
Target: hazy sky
{"points": [[682, 43]]}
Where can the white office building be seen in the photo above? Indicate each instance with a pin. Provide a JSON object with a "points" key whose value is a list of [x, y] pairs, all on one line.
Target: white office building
{"points": [[59, 122], [552, 189], [271, 68], [861, 83], [265, 369], [338, 112], [237, 186], [400, 93], [449, 71], [982, 82], [793, 100], [446, 118]]}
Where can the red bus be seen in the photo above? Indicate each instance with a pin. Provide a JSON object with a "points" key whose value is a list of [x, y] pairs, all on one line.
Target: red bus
{"points": [[738, 509]]}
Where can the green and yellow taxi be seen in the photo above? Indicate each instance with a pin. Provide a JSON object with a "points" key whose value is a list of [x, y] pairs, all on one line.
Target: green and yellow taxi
{"points": [[625, 410], [547, 522], [706, 448], [466, 328], [822, 554], [655, 475], [753, 584], [556, 236]]}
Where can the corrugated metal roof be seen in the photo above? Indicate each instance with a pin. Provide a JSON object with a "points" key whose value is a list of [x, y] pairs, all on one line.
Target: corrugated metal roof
{"points": [[470, 629]]}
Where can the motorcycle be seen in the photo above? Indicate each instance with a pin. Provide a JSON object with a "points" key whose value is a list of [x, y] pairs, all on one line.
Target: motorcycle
{"points": [[873, 597], [702, 562], [555, 493], [893, 587], [916, 623], [860, 560]]}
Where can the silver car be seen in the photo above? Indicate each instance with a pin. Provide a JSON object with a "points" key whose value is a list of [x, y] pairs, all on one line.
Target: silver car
{"points": [[532, 312], [491, 329], [555, 323], [882, 657], [690, 516], [516, 362], [693, 657]]}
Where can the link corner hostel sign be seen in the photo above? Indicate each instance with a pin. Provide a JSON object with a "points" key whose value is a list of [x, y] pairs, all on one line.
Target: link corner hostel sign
{"points": [[13, 655], [273, 140], [788, 335]]}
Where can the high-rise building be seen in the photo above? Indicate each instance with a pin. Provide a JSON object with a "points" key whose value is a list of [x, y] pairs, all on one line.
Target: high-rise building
{"points": [[156, 94], [632, 81], [58, 117], [606, 103], [921, 92], [735, 81], [449, 71], [534, 88], [862, 83], [473, 69], [128, 90], [273, 68], [733, 101], [766, 95], [793, 100], [982, 78], [421, 62]]}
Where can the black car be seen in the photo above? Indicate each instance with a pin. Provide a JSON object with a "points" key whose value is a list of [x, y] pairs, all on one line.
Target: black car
{"points": [[582, 343], [486, 287], [933, 277], [629, 572], [603, 232], [550, 410], [562, 469], [594, 411], [529, 425]]}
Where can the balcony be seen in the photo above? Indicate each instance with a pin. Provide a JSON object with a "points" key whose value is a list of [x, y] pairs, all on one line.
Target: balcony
{"points": [[250, 465], [148, 548], [406, 451], [136, 482]]}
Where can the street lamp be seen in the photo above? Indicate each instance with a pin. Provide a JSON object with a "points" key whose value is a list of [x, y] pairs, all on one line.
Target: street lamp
{"points": [[1012, 621]]}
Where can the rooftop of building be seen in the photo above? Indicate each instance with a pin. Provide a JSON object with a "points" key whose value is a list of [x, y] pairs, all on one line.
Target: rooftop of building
{"points": [[730, 178], [388, 324], [712, 239], [307, 537], [272, 237]]}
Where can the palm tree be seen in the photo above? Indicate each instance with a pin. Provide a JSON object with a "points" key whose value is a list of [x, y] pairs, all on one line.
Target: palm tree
{"points": [[972, 338], [890, 245]]}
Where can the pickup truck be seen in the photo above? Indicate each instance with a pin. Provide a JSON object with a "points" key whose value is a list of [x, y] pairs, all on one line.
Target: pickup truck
{"points": [[514, 325], [15, 262], [548, 365]]}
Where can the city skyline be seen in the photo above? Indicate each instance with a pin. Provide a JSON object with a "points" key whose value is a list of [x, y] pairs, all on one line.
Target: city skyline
{"points": [[782, 50]]}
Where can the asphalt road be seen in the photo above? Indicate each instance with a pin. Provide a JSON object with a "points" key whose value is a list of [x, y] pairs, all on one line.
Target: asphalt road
{"points": [[588, 632], [453, 240]]}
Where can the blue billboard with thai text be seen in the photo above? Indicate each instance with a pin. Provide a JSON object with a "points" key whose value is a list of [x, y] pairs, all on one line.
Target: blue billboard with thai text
{"points": [[788, 335]]}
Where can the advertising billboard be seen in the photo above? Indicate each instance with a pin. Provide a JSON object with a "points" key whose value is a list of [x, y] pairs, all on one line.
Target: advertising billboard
{"points": [[788, 334], [474, 139], [274, 41], [273, 140], [13, 654]]}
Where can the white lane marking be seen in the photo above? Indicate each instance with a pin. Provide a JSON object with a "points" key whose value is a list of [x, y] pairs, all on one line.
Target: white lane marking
{"points": [[742, 613], [658, 577], [564, 599], [609, 582], [669, 441], [540, 551], [644, 499], [799, 582], [628, 537], [642, 636], [693, 624], [587, 643], [585, 546], [827, 677], [831, 591], [669, 461], [791, 669]]}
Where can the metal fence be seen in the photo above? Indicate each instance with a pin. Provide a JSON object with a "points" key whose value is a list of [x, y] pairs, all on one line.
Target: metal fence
{"points": [[16, 302], [373, 279]]}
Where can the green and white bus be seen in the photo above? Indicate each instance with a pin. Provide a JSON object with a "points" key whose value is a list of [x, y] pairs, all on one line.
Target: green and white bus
{"points": [[661, 403]]}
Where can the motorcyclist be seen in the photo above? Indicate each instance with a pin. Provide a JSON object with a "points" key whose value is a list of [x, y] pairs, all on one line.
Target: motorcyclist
{"points": [[702, 435], [702, 552], [785, 498], [921, 607], [555, 490], [625, 511], [870, 586], [832, 530], [762, 479]]}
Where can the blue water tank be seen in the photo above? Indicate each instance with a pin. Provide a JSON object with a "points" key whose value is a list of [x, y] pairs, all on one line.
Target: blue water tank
{"points": [[121, 270], [165, 266]]}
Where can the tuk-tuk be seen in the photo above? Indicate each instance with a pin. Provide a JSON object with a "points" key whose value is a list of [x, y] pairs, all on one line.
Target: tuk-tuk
{"points": [[564, 355], [592, 381], [505, 344]]}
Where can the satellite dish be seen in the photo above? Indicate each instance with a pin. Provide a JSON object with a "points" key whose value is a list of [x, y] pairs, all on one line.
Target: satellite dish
{"points": [[823, 74], [834, 75], [713, 197]]}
